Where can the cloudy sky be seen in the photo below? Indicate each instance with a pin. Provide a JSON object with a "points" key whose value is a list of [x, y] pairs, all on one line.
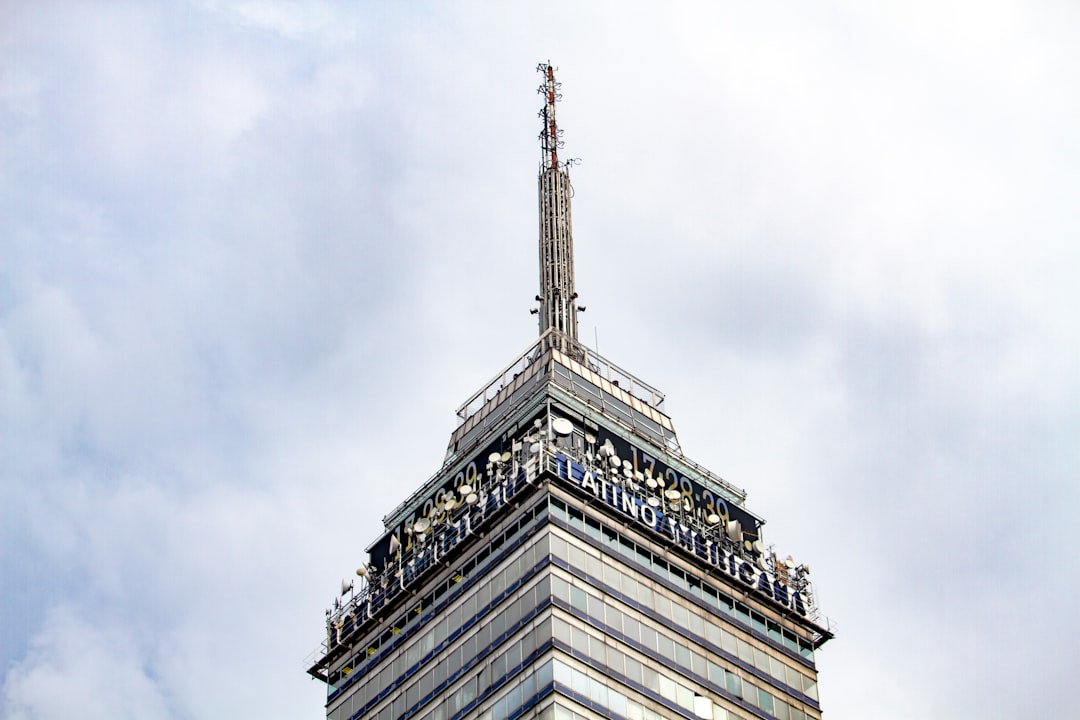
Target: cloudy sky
{"points": [[253, 256]]}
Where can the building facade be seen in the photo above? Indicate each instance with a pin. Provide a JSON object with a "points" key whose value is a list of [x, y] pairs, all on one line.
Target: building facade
{"points": [[568, 560]]}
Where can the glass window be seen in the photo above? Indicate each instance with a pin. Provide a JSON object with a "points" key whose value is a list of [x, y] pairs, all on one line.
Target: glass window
{"points": [[561, 631], [631, 628], [581, 640], [716, 674], [682, 656], [650, 678], [793, 678], [633, 670], [561, 673], [665, 646], [728, 643], [679, 615], [734, 684], [765, 701], [667, 687]]}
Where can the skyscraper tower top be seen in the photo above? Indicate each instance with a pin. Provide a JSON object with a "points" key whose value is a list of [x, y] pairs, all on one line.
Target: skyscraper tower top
{"points": [[567, 560], [558, 309]]}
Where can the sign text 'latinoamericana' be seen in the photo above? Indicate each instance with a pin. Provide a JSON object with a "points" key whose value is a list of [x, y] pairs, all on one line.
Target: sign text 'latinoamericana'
{"points": [[708, 549]]}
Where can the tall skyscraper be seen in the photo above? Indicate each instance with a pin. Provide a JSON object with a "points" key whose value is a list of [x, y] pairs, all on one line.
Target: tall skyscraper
{"points": [[568, 560]]}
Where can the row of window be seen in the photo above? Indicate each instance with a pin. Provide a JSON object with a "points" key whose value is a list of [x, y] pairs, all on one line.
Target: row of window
{"points": [[692, 622], [477, 687], [614, 663], [600, 693], [490, 629], [716, 598], [523, 692], [424, 608]]}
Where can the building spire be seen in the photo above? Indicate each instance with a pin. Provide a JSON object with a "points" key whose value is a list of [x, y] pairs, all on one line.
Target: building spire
{"points": [[557, 297]]}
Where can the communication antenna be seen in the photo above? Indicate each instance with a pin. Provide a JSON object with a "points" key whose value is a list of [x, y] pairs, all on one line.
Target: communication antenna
{"points": [[558, 308]]}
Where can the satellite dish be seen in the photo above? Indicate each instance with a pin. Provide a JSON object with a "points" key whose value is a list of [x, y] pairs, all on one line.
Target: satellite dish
{"points": [[747, 545], [626, 464], [590, 439], [450, 504], [790, 562], [465, 489], [505, 457], [395, 544], [673, 495], [422, 525], [638, 476], [653, 501], [712, 519], [687, 505], [734, 530], [345, 586], [650, 482], [763, 562], [562, 426], [494, 457], [363, 570], [534, 448], [471, 499], [615, 461], [628, 472], [758, 547]]}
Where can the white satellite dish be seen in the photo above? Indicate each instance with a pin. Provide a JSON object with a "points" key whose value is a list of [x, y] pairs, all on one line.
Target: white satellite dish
{"points": [[450, 504], [471, 499], [494, 457], [650, 482], [505, 457], [673, 495], [534, 448], [562, 426], [734, 530], [465, 489], [346, 586], [653, 501], [363, 570], [712, 519], [758, 547], [590, 439], [789, 562], [628, 472], [422, 525], [627, 464], [395, 544], [615, 461], [638, 476]]}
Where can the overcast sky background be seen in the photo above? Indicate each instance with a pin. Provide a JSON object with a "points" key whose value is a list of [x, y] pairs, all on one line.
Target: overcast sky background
{"points": [[254, 255]]}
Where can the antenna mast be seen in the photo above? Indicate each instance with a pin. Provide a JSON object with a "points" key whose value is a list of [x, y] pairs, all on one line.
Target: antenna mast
{"points": [[557, 296]]}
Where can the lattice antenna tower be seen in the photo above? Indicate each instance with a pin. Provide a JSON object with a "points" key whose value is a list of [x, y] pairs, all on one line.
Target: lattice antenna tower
{"points": [[558, 311]]}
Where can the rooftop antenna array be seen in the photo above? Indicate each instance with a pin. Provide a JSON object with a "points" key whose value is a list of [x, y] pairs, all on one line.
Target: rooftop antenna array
{"points": [[557, 297]]}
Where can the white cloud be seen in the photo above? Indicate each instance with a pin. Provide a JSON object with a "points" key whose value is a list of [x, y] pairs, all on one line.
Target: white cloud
{"points": [[256, 254]]}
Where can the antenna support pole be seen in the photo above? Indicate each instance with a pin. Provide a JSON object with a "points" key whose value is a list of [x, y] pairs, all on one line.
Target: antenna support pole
{"points": [[558, 309]]}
